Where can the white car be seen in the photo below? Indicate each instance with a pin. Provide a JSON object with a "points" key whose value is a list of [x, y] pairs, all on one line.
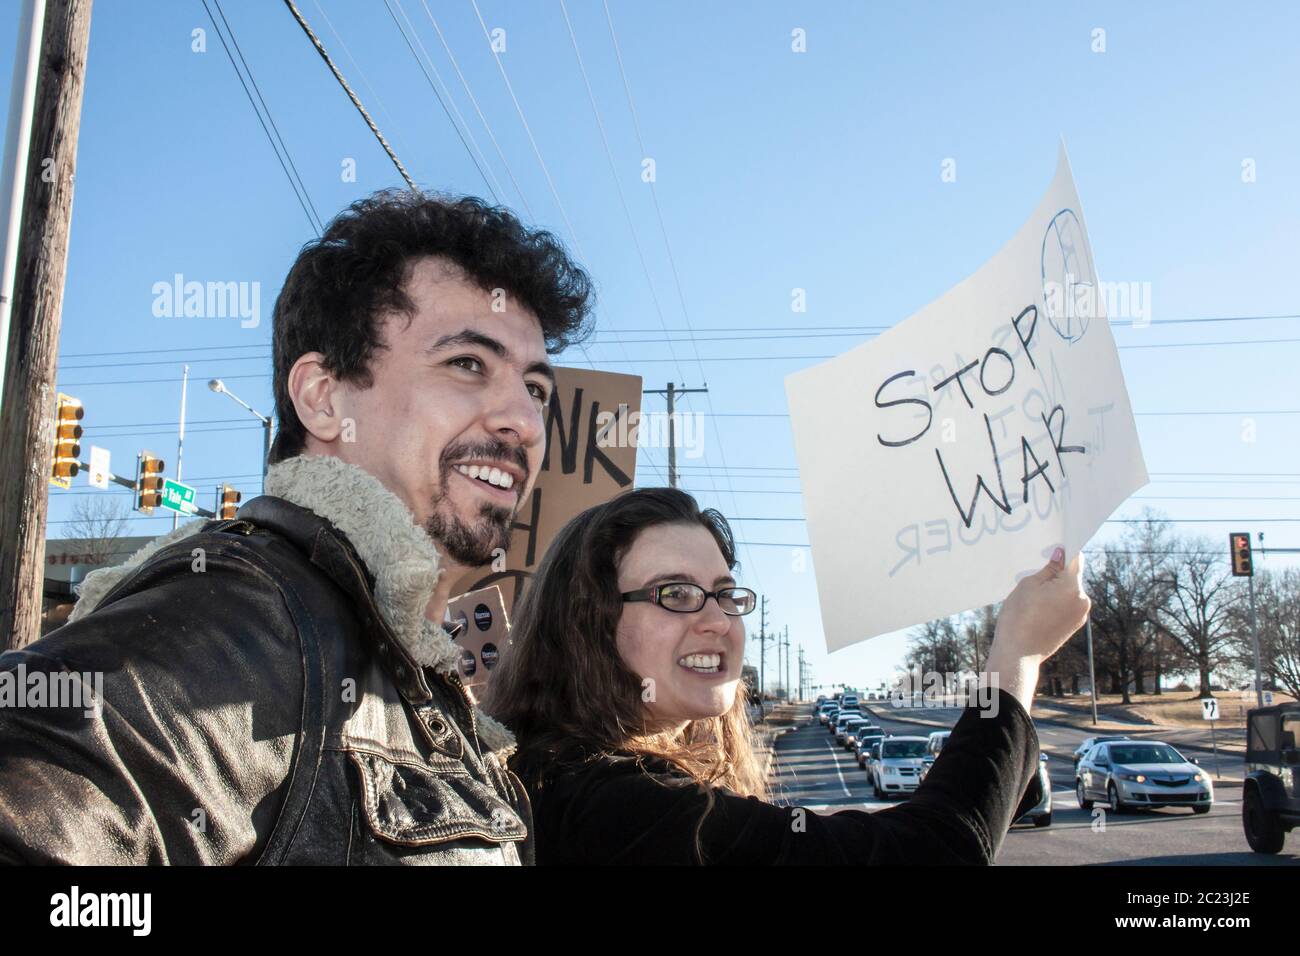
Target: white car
{"points": [[898, 769]]}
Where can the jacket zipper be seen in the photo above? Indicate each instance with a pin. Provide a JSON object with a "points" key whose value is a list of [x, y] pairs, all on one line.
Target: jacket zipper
{"points": [[454, 679]]}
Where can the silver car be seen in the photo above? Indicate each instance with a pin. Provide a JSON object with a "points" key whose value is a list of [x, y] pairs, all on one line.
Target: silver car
{"points": [[1141, 773], [935, 744], [838, 724], [1040, 815], [863, 747], [859, 728], [1090, 742]]}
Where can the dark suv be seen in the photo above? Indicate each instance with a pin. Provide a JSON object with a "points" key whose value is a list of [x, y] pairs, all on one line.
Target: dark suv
{"points": [[1270, 799]]}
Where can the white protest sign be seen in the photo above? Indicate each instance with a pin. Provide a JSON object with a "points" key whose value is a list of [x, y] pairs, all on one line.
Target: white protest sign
{"points": [[950, 455]]}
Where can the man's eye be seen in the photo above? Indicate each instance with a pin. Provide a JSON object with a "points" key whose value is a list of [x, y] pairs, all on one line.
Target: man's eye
{"points": [[467, 358], [539, 393]]}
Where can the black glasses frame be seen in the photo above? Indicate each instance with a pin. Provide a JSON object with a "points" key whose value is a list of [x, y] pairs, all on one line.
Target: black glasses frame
{"points": [[654, 595]]}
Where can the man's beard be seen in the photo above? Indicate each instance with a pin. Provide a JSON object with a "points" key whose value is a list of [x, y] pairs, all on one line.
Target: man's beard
{"points": [[473, 544]]}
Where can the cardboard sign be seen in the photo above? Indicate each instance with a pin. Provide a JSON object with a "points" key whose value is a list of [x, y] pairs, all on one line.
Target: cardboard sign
{"points": [[589, 459], [949, 456], [481, 628]]}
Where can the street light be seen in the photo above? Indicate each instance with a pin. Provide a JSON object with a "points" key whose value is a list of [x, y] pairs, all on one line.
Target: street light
{"points": [[218, 386]]}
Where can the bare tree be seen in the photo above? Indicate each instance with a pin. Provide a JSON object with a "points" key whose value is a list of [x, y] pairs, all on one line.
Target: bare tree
{"points": [[936, 648], [98, 521], [978, 628], [1122, 595], [1199, 616], [1277, 599], [1068, 664]]}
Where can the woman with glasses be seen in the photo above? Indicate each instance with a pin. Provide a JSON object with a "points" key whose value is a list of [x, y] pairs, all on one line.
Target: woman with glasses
{"points": [[623, 689]]}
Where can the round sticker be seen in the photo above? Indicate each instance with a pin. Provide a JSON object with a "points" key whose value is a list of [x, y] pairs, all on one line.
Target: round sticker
{"points": [[467, 663], [489, 655], [483, 617]]}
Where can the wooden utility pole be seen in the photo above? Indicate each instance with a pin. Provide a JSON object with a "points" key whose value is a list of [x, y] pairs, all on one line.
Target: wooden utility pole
{"points": [[27, 432], [672, 394]]}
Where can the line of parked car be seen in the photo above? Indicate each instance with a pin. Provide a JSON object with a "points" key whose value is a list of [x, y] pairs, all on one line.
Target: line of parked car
{"points": [[896, 764], [1121, 772]]}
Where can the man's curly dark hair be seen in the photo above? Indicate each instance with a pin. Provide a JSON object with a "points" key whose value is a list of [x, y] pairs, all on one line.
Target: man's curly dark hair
{"points": [[344, 284]]}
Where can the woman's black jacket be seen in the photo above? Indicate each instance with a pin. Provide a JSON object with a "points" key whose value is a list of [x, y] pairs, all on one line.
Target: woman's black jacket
{"points": [[621, 808]]}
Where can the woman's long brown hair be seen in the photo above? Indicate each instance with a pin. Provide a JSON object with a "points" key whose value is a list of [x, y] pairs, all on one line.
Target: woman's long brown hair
{"points": [[563, 682]]}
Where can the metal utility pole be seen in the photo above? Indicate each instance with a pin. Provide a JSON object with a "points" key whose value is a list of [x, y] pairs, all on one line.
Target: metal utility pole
{"points": [[1254, 633], [18, 135], [1243, 565], [180, 438], [218, 386], [27, 432], [786, 641], [801, 671], [671, 393], [1092, 672], [762, 652]]}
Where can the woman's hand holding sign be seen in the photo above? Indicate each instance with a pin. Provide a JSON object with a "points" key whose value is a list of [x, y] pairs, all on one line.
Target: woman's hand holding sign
{"points": [[1038, 616]]}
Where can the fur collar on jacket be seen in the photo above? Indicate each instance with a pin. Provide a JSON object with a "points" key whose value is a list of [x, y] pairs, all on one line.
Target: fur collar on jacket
{"points": [[398, 553]]}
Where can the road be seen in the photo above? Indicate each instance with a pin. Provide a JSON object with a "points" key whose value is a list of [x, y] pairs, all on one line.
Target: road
{"points": [[811, 770]]}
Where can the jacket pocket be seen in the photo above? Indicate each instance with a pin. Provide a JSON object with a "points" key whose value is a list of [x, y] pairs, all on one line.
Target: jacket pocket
{"points": [[412, 804]]}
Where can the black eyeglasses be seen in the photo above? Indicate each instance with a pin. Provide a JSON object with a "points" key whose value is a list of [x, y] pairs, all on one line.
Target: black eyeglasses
{"points": [[686, 598]]}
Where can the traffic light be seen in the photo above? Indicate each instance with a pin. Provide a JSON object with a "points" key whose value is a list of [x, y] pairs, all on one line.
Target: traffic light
{"points": [[227, 502], [148, 482], [67, 452], [1239, 544]]}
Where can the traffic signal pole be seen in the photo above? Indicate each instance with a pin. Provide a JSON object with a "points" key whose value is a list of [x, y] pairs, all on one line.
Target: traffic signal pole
{"points": [[1254, 633], [26, 446], [1243, 566]]}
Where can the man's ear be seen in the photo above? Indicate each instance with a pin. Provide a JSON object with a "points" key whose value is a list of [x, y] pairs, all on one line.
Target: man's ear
{"points": [[315, 394]]}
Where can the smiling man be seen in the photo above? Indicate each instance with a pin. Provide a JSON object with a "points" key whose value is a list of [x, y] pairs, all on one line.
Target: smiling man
{"points": [[279, 688]]}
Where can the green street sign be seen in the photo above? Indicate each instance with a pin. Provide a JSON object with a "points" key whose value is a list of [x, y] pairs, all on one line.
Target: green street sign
{"points": [[178, 497]]}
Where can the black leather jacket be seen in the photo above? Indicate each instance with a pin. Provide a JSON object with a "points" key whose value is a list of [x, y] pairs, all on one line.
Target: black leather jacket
{"points": [[256, 708]]}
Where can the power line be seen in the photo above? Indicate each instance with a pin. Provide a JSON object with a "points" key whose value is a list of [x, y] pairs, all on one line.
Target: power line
{"points": [[319, 224], [1258, 411], [483, 119], [1179, 553], [717, 358], [308, 208], [362, 73], [732, 337], [438, 96], [663, 228], [618, 185], [320, 48], [1242, 521], [155, 381], [524, 120], [153, 351]]}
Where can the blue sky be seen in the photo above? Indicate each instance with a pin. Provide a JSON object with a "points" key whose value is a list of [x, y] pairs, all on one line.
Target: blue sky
{"points": [[775, 170]]}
